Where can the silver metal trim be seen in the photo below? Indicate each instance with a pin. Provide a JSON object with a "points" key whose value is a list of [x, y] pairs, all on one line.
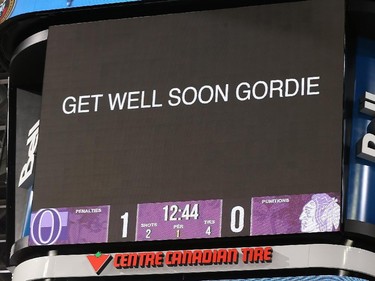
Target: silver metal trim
{"points": [[29, 41], [338, 257]]}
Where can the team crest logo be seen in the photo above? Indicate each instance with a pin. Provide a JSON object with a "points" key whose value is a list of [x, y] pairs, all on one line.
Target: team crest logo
{"points": [[6, 8]]}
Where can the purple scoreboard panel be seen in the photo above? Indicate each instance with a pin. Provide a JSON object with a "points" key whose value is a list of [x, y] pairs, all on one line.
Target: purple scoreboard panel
{"points": [[173, 220], [70, 225], [207, 124]]}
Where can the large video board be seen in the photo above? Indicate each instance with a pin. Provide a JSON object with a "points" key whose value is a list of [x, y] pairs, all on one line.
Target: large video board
{"points": [[217, 123]]}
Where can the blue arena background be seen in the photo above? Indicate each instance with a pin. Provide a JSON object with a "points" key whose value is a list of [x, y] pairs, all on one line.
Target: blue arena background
{"points": [[361, 182], [29, 6]]}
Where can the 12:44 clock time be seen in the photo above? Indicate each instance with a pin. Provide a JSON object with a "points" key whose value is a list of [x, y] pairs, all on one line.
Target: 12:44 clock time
{"points": [[175, 213], [179, 220]]}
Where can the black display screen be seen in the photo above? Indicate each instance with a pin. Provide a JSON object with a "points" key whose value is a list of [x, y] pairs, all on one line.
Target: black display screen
{"points": [[215, 123]]}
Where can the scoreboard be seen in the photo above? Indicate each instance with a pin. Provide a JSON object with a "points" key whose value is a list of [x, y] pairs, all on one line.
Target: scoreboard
{"points": [[205, 124]]}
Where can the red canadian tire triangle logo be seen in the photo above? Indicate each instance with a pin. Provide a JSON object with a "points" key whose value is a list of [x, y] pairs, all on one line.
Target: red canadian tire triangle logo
{"points": [[99, 261]]}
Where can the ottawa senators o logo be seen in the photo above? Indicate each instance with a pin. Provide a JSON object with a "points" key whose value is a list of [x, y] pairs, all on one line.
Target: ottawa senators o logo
{"points": [[6, 8]]}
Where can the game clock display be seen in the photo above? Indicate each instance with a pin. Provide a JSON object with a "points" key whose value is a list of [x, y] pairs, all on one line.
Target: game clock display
{"points": [[179, 220]]}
